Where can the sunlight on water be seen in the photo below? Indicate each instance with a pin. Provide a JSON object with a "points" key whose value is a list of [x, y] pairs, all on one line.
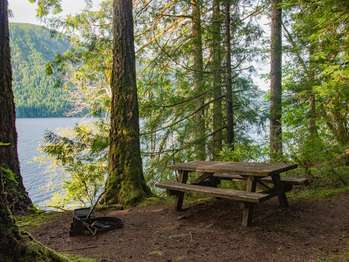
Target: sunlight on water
{"points": [[40, 179]]}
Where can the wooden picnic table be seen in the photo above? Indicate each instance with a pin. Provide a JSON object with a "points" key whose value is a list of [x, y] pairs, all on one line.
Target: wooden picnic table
{"points": [[267, 175]]}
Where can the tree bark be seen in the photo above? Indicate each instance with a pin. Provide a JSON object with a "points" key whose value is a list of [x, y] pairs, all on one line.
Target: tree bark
{"points": [[19, 200], [217, 79], [125, 184], [14, 245], [19, 246], [275, 84], [198, 85], [313, 130], [230, 137]]}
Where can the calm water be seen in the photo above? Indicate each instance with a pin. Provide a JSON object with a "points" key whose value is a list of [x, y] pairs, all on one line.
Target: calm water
{"points": [[40, 180]]}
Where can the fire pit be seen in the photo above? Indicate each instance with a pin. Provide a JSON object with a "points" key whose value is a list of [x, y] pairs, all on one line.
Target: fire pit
{"points": [[85, 222]]}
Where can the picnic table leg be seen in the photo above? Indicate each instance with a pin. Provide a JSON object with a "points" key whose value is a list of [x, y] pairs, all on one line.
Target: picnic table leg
{"points": [[247, 212], [183, 178], [280, 190]]}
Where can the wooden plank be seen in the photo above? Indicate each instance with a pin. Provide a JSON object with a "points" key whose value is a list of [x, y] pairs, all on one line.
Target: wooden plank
{"points": [[202, 178], [243, 168], [291, 180], [237, 195], [247, 212], [183, 178], [280, 190]]}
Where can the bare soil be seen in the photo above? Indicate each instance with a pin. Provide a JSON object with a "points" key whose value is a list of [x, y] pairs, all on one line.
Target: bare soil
{"points": [[307, 231]]}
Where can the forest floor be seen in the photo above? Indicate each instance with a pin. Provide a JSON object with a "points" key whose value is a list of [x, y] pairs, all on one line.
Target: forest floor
{"points": [[310, 230]]}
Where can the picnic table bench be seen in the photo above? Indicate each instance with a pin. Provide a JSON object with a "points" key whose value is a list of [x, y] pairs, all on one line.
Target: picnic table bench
{"points": [[208, 173]]}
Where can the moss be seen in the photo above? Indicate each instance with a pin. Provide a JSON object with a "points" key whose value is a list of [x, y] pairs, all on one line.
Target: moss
{"points": [[154, 200], [131, 193], [28, 222], [26, 249], [126, 186], [74, 258], [341, 256], [317, 193]]}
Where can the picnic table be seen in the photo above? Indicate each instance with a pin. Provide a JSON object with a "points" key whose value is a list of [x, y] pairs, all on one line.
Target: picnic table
{"points": [[209, 173]]}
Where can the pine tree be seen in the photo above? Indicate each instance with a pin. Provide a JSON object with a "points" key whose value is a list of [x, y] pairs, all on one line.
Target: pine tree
{"points": [[275, 84], [125, 183], [19, 200]]}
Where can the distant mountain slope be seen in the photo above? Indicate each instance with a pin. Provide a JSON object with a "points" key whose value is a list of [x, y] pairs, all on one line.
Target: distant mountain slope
{"points": [[36, 93]]}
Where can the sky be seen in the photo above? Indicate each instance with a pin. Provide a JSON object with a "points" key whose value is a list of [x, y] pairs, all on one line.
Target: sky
{"points": [[25, 12]]}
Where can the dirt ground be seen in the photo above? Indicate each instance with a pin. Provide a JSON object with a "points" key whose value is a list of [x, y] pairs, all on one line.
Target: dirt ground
{"points": [[307, 231]]}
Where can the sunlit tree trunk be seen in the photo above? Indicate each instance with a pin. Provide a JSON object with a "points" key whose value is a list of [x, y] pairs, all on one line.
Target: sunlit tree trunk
{"points": [[19, 200], [198, 68], [125, 184], [217, 78], [230, 135], [275, 84]]}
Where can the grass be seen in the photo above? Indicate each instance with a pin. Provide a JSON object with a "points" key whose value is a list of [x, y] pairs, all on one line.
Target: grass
{"points": [[74, 258], [317, 193], [28, 222]]}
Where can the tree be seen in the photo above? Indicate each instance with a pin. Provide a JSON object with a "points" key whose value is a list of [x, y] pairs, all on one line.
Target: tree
{"points": [[198, 71], [275, 83], [18, 197], [216, 78], [125, 183], [228, 76], [14, 245], [170, 102]]}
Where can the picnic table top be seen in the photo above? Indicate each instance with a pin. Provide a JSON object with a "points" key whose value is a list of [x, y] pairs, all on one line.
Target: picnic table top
{"points": [[239, 168]]}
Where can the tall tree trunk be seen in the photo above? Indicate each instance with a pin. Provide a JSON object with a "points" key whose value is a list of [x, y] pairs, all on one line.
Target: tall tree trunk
{"points": [[15, 245], [217, 79], [228, 77], [312, 114], [313, 131], [125, 184], [18, 198], [198, 68], [275, 85]]}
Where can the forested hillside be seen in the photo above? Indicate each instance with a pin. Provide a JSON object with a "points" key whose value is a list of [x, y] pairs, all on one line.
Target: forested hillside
{"points": [[36, 93]]}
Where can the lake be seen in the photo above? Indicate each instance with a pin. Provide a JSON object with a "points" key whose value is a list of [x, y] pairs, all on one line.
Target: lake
{"points": [[40, 180]]}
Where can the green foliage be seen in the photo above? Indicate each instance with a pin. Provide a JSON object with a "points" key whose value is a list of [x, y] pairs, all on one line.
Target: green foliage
{"points": [[45, 7], [316, 87], [315, 84], [36, 93], [83, 155], [244, 152]]}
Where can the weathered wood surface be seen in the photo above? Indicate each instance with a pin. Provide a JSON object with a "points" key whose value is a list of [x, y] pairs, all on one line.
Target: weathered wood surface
{"points": [[249, 197], [247, 212], [183, 178], [290, 180], [238, 168]]}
